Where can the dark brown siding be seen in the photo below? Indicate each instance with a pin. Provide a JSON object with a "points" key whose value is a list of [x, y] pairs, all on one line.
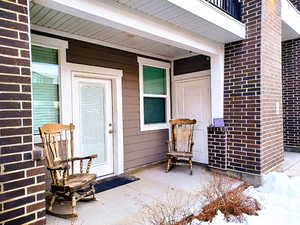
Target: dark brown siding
{"points": [[140, 147], [191, 64]]}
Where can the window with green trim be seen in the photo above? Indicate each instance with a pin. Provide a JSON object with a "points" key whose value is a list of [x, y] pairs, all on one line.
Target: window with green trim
{"points": [[154, 97], [45, 86]]}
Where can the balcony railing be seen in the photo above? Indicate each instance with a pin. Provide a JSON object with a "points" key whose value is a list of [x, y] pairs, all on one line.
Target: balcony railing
{"points": [[231, 7]]}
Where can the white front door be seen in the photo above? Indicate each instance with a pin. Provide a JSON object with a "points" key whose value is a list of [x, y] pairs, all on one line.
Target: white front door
{"points": [[193, 102], [92, 116]]}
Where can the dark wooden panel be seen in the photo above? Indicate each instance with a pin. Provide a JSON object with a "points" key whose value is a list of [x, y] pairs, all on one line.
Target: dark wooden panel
{"points": [[140, 147], [191, 64]]}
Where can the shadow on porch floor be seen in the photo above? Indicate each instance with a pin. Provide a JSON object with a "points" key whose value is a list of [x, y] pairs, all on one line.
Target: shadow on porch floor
{"points": [[121, 205], [291, 165]]}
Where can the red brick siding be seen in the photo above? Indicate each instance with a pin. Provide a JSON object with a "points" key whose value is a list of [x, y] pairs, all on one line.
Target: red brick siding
{"points": [[272, 122], [291, 92], [217, 147], [242, 94], [251, 90], [22, 186]]}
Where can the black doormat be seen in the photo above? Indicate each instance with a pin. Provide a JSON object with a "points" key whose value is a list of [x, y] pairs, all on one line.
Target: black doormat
{"points": [[106, 184]]}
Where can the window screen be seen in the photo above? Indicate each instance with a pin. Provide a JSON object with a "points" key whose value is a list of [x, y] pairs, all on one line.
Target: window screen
{"points": [[45, 86]]}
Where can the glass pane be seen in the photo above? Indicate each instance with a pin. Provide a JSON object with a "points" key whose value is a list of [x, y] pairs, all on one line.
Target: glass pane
{"points": [[92, 121], [45, 94], [154, 80], [154, 110]]}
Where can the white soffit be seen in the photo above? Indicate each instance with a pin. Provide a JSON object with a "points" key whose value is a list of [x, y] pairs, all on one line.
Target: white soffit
{"points": [[118, 16], [55, 22], [290, 21]]}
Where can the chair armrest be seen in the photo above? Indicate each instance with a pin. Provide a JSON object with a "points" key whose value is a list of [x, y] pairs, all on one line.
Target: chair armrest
{"points": [[90, 157], [84, 157], [53, 168], [80, 158]]}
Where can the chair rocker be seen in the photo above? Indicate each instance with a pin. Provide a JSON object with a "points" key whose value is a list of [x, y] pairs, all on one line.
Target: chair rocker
{"points": [[66, 185], [181, 143]]}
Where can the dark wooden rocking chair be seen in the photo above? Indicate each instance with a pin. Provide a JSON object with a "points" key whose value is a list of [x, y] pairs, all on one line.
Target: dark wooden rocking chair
{"points": [[66, 185], [181, 143]]}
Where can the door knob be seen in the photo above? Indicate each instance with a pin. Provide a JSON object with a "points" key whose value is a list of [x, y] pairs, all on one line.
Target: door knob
{"points": [[110, 131]]}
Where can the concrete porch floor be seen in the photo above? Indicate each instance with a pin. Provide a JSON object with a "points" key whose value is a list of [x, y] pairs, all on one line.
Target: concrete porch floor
{"points": [[121, 205], [291, 164]]}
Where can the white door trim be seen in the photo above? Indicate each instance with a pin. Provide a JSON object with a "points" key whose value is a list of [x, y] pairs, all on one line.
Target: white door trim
{"points": [[101, 73]]}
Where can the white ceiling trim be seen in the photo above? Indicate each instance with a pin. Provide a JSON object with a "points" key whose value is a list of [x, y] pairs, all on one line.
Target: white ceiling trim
{"points": [[131, 21], [212, 14], [291, 20]]}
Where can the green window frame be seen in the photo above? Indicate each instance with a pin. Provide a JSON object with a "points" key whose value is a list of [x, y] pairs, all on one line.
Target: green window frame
{"points": [[154, 94]]}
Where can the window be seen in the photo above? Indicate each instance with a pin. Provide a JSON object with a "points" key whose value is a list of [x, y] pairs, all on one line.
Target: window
{"points": [[154, 94], [45, 86]]}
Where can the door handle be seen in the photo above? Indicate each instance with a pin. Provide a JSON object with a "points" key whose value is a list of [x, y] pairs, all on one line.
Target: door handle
{"points": [[110, 131]]}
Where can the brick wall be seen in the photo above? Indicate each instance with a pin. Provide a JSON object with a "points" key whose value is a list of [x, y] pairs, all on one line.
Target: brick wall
{"points": [[291, 92], [247, 87], [217, 147], [242, 94], [22, 178], [271, 87]]}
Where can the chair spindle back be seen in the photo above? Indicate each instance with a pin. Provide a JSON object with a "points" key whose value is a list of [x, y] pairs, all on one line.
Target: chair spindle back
{"points": [[58, 145], [182, 134]]}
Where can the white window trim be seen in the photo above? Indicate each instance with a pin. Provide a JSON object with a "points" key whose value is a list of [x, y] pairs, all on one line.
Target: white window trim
{"points": [[61, 46], [164, 65]]}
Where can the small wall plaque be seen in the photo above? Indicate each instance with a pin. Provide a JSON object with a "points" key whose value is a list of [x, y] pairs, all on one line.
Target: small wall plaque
{"points": [[218, 122]]}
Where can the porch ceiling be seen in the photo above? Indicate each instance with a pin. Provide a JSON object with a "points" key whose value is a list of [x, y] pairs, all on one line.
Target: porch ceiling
{"points": [[50, 20]]}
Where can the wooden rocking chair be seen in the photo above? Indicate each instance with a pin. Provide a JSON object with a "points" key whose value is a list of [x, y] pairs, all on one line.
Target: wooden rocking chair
{"points": [[66, 185], [181, 143]]}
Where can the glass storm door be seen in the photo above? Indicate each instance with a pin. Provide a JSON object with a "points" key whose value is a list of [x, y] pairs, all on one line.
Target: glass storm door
{"points": [[92, 102]]}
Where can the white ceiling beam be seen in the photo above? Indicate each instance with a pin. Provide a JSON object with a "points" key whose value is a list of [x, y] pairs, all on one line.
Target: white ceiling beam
{"points": [[125, 19], [291, 20], [208, 12]]}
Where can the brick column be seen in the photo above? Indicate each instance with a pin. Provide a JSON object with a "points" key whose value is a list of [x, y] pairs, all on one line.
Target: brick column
{"points": [[271, 88], [252, 91], [217, 147], [22, 177]]}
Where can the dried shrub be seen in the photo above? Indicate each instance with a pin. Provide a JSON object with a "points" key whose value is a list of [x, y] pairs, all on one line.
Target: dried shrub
{"points": [[219, 195], [175, 209]]}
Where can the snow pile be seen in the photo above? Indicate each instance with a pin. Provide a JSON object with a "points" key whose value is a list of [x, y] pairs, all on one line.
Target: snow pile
{"points": [[279, 197]]}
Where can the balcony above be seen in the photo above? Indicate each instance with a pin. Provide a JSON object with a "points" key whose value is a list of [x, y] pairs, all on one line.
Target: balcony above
{"points": [[231, 7], [290, 21]]}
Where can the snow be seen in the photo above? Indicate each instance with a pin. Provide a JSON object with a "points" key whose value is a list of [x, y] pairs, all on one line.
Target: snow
{"points": [[279, 197]]}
